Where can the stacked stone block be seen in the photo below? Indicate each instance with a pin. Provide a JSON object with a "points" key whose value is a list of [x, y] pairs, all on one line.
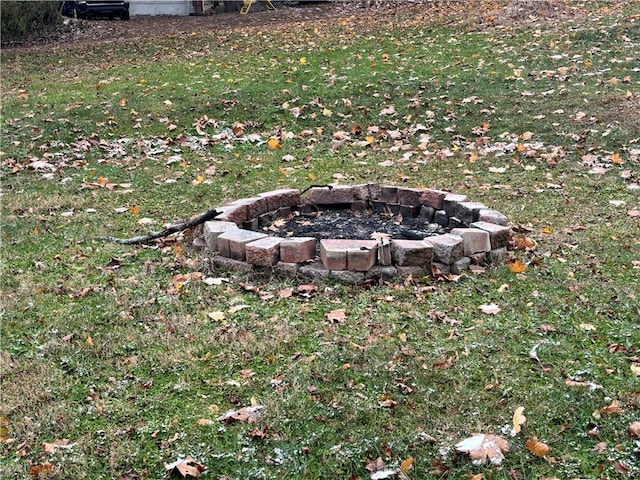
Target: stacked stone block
{"points": [[478, 234]]}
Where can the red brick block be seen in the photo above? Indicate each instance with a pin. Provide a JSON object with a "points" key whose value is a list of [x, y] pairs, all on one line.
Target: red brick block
{"points": [[433, 198], [447, 248], [276, 199], [388, 194], [499, 235], [411, 252], [213, 229], [450, 203], [369, 191], [493, 216], [468, 212], [232, 243], [233, 213], [297, 249], [410, 196], [475, 240], [264, 252], [333, 254], [362, 256], [330, 195], [354, 255]]}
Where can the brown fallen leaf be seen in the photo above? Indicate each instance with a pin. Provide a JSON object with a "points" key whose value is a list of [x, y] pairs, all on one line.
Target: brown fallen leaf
{"points": [[613, 409], [63, 444], [245, 414], [41, 471], [483, 447], [599, 448], [537, 447], [634, 429], [187, 467]]}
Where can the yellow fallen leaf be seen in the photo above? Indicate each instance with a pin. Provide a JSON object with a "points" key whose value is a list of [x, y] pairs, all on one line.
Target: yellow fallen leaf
{"points": [[216, 316], [518, 420], [134, 210], [617, 159], [635, 370], [4, 428], [406, 465], [205, 421]]}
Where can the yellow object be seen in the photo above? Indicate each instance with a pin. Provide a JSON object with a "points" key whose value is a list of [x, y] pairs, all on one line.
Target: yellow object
{"points": [[246, 6]]}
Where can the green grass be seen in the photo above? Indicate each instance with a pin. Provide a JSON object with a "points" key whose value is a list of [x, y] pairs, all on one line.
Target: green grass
{"points": [[99, 347]]}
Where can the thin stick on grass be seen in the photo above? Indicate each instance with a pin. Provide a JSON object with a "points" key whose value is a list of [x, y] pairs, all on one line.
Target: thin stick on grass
{"points": [[171, 229]]}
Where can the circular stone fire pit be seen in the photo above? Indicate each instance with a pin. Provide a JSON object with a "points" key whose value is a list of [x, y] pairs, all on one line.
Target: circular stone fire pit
{"points": [[435, 233]]}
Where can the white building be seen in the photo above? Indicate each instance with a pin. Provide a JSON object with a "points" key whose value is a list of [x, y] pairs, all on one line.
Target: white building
{"points": [[168, 7]]}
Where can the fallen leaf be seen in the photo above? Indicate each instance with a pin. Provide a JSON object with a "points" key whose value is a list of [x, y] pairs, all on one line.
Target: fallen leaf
{"points": [[205, 421], [337, 316], [274, 144], [237, 308], [41, 471], [516, 265], [187, 467], [613, 409], [518, 420], [216, 316], [537, 447], [483, 447], [634, 429], [406, 465], [245, 414], [599, 448], [4, 428], [490, 309], [63, 444]]}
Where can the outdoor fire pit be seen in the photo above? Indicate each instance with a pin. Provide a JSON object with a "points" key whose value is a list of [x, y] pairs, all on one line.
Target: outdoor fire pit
{"points": [[358, 232]]}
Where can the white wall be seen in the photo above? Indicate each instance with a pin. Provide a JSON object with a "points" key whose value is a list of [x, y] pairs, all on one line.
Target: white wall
{"points": [[160, 7]]}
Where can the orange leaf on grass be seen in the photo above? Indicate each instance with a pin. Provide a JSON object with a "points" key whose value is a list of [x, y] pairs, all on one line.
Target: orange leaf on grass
{"points": [[406, 465], [516, 265], [537, 447], [274, 144]]}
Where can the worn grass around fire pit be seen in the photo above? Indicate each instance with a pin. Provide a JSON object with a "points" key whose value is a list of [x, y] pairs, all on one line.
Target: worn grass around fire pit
{"points": [[116, 360]]}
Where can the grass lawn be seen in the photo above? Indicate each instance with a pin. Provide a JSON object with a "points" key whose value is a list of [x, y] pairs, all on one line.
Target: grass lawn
{"points": [[117, 360]]}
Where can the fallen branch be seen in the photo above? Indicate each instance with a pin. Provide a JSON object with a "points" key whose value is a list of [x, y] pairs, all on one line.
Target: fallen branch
{"points": [[176, 227]]}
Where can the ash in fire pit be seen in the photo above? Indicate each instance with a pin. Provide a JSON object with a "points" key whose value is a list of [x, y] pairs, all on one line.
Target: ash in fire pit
{"points": [[352, 233], [351, 225]]}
